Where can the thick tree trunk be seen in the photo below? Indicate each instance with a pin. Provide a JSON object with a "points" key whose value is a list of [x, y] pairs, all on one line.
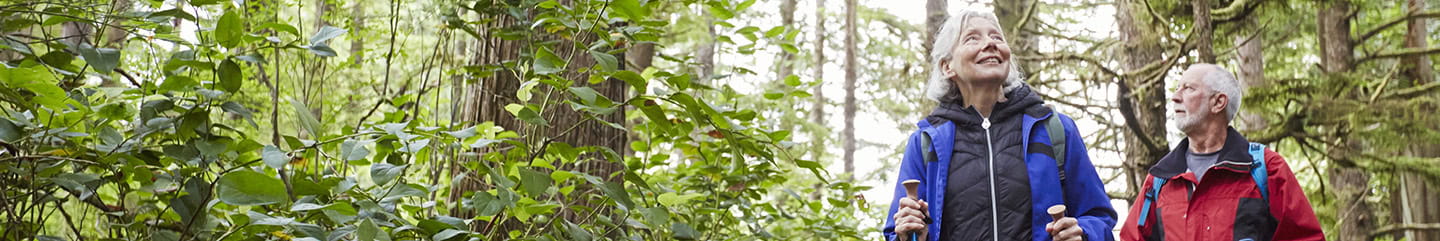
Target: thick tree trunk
{"points": [[1022, 43], [1415, 199], [1348, 182], [1252, 67], [1141, 46], [1204, 31], [935, 14], [487, 97], [848, 134]]}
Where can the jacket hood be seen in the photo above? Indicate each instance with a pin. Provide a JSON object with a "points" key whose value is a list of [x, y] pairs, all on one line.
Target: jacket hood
{"points": [[1020, 100]]}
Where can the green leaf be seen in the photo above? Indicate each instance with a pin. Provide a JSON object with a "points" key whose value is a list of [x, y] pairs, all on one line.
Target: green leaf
{"points": [[178, 83], [307, 120], [586, 94], [211, 149], [629, 9], [229, 29], [792, 80], [720, 11], [368, 231], [245, 187], [547, 63], [534, 182], [279, 27], [448, 234], [630, 77], [37, 80], [325, 34], [8, 131], [383, 173], [672, 199], [230, 76], [321, 50], [351, 150], [683, 231], [203, 2], [561, 175], [616, 191], [103, 59], [274, 157], [606, 61]]}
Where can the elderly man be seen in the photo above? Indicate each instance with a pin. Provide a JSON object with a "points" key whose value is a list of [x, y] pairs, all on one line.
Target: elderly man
{"points": [[1216, 185]]}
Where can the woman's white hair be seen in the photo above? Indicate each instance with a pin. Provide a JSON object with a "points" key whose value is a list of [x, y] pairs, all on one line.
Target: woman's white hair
{"points": [[945, 41]]}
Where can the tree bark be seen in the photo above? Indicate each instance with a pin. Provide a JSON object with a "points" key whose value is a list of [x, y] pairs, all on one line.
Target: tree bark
{"points": [[1252, 67], [1348, 182], [787, 60], [851, 69], [817, 108], [357, 27], [1414, 200], [1204, 31], [1141, 46], [935, 14], [1022, 43]]}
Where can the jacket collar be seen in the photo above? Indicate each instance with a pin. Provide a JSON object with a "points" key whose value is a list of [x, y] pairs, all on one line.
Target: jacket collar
{"points": [[1235, 153]]}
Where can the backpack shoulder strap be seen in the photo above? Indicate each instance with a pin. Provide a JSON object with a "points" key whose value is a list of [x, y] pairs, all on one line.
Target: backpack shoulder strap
{"points": [[1056, 129], [1150, 196], [927, 152], [1258, 171]]}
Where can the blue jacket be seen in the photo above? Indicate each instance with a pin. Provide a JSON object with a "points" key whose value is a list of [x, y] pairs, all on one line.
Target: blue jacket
{"points": [[1082, 193]]}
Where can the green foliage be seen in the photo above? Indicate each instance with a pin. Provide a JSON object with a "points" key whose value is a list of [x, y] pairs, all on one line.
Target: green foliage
{"points": [[191, 141]]}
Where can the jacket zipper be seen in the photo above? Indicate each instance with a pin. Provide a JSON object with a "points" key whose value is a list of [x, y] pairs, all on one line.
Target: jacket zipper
{"points": [[994, 213]]}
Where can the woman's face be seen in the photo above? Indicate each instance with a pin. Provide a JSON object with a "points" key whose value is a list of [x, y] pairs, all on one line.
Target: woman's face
{"points": [[981, 54]]}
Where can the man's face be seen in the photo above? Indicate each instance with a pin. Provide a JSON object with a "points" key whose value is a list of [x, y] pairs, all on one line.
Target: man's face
{"points": [[1194, 100]]}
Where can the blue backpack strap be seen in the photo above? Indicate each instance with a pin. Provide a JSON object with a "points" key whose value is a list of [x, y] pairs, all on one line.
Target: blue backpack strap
{"points": [[1260, 173], [1150, 197]]}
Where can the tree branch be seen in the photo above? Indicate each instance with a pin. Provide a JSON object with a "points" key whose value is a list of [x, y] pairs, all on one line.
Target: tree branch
{"points": [[1433, 13], [1407, 52], [1401, 227]]}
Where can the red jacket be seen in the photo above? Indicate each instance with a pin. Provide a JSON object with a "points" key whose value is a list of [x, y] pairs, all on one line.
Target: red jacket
{"points": [[1227, 205]]}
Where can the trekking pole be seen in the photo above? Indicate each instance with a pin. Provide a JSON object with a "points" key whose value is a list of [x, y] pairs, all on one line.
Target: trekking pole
{"points": [[1057, 212], [911, 191]]}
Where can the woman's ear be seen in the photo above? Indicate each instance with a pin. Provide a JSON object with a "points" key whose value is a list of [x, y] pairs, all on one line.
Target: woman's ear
{"points": [[945, 67]]}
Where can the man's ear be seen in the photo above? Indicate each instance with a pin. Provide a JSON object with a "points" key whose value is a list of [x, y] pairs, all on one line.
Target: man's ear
{"points": [[1219, 102]]}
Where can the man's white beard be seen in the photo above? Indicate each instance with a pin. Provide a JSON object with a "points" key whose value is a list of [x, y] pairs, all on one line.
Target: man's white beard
{"points": [[1187, 121]]}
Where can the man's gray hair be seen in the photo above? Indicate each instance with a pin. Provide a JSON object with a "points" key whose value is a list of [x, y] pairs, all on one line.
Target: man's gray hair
{"points": [[1222, 81], [945, 41]]}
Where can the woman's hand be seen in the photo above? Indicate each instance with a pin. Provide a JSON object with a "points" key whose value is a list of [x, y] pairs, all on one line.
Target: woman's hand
{"points": [[910, 218], [1065, 229]]}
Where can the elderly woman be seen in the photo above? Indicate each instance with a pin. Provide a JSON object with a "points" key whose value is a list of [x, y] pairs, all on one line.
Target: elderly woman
{"points": [[992, 155]]}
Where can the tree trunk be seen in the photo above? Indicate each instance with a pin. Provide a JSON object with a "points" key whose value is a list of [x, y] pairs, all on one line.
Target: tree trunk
{"points": [[1252, 67], [357, 26], [848, 134], [1022, 43], [817, 108], [1348, 182], [787, 60], [1415, 199], [936, 11], [1204, 31], [1141, 46], [488, 96], [706, 53]]}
